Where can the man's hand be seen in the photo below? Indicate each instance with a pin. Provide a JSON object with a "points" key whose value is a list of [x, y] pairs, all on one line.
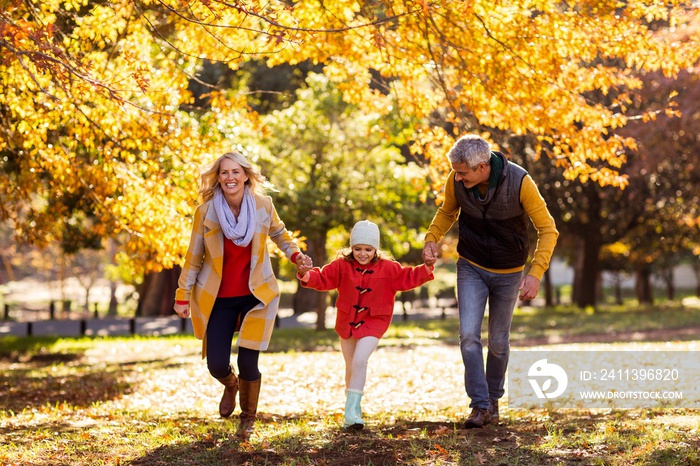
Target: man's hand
{"points": [[529, 287], [430, 253]]}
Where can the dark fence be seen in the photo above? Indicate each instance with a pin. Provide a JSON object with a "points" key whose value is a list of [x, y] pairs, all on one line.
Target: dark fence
{"points": [[98, 327], [24, 323]]}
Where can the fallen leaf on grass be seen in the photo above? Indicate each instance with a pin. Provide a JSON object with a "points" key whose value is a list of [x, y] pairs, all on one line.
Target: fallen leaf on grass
{"points": [[442, 451]]}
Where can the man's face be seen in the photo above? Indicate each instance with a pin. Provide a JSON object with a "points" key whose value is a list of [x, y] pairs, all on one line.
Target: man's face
{"points": [[471, 177]]}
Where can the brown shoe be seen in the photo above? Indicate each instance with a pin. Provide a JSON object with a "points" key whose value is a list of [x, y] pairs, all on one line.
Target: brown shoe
{"points": [[228, 400], [478, 418], [493, 411]]}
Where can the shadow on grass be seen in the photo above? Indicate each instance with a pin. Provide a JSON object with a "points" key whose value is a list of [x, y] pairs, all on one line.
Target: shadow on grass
{"points": [[33, 377], [22, 389], [28, 386], [277, 442], [685, 453]]}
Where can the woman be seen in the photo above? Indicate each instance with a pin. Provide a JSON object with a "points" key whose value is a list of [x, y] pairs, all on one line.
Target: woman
{"points": [[227, 283]]}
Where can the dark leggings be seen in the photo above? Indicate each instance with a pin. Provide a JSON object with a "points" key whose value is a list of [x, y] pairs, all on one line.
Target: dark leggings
{"points": [[220, 330]]}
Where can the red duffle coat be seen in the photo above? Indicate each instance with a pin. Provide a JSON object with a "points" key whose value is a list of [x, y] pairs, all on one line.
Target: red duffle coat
{"points": [[366, 294]]}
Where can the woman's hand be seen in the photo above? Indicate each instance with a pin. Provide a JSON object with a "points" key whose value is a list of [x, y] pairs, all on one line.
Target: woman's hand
{"points": [[183, 310], [304, 264]]}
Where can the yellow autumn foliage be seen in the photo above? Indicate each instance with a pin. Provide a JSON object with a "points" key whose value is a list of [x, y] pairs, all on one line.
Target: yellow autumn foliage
{"points": [[95, 103]]}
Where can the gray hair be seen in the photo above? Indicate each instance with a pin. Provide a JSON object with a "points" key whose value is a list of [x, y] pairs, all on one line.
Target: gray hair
{"points": [[470, 149]]}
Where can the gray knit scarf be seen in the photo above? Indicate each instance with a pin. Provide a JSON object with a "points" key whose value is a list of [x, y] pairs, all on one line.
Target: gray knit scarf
{"points": [[239, 231]]}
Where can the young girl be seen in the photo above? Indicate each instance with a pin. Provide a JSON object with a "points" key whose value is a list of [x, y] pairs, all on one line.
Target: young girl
{"points": [[367, 282]]}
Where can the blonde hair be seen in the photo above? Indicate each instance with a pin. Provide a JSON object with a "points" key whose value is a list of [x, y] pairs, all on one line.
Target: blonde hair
{"points": [[346, 253], [209, 178]]}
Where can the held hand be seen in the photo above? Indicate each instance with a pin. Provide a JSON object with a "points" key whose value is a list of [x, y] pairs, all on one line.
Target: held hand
{"points": [[305, 261], [529, 287], [183, 310], [304, 264], [430, 253]]}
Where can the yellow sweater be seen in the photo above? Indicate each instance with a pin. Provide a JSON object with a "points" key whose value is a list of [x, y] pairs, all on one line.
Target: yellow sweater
{"points": [[535, 207]]}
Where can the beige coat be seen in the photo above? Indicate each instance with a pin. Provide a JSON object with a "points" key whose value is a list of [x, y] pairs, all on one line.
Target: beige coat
{"points": [[201, 274]]}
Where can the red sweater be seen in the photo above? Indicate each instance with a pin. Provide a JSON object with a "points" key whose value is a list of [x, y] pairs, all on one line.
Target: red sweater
{"points": [[236, 271], [366, 294]]}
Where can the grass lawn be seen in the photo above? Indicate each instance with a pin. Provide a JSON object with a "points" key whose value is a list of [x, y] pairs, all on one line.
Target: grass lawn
{"points": [[150, 401]]}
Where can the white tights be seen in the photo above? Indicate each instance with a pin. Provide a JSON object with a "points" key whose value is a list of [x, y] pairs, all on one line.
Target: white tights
{"points": [[356, 354]]}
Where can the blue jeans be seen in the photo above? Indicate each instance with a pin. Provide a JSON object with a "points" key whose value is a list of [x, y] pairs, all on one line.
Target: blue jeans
{"points": [[475, 287]]}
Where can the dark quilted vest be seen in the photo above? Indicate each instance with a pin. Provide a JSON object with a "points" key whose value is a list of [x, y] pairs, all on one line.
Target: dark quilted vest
{"points": [[493, 230]]}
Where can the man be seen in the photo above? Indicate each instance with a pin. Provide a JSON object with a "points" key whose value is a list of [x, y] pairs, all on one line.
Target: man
{"points": [[492, 199]]}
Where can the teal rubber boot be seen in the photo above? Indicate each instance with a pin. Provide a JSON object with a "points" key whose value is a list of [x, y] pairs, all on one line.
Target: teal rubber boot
{"points": [[353, 411]]}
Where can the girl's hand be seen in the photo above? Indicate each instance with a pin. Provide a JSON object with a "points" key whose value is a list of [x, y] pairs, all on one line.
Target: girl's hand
{"points": [[304, 264], [303, 270]]}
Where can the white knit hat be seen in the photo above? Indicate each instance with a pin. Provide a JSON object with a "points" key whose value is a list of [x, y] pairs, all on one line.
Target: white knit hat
{"points": [[365, 232]]}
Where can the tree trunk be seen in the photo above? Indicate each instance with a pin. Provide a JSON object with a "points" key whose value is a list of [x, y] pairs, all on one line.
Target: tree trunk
{"points": [[157, 293], [599, 295], [86, 306], [667, 276], [586, 253], [65, 302], [586, 270], [548, 292], [617, 287], [695, 265], [112, 311], [642, 286], [112, 299], [306, 299], [8, 270]]}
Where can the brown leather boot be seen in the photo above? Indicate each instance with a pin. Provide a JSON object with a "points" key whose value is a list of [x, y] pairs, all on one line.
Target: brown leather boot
{"points": [[493, 411], [228, 400], [478, 418], [249, 393]]}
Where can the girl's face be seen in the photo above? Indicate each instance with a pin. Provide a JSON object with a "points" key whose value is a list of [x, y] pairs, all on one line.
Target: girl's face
{"points": [[232, 177], [363, 253]]}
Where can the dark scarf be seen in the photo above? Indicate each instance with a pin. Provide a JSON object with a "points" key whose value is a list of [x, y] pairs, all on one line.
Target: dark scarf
{"points": [[496, 169]]}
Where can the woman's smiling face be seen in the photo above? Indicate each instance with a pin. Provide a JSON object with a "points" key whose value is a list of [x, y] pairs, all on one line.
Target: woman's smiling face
{"points": [[232, 177]]}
